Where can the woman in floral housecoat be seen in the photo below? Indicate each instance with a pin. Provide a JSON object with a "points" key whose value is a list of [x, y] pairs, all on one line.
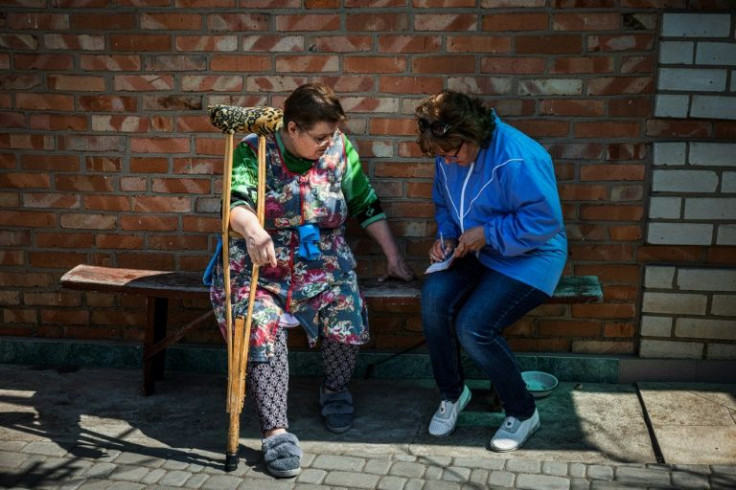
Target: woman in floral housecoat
{"points": [[307, 277]]}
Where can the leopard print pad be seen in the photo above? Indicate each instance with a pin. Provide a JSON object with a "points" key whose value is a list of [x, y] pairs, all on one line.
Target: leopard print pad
{"points": [[261, 120]]}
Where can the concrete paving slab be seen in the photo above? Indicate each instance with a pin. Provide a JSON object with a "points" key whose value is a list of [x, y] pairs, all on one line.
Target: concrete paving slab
{"points": [[692, 422]]}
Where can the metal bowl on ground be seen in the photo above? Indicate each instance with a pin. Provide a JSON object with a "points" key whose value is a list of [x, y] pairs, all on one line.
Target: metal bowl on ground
{"points": [[539, 384]]}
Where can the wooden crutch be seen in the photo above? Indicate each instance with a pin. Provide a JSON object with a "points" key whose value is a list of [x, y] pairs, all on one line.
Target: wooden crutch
{"points": [[261, 120]]}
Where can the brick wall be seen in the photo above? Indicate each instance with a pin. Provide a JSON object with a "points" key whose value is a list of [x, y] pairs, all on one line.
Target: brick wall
{"points": [[689, 312], [107, 157]]}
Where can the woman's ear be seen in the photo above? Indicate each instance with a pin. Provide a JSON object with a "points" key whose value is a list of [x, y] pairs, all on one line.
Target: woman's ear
{"points": [[292, 128]]}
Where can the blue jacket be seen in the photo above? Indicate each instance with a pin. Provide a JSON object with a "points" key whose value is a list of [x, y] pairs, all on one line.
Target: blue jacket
{"points": [[511, 192]]}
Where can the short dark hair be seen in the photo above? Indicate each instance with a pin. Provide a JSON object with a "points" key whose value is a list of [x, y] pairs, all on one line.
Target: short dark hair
{"points": [[312, 103], [467, 119]]}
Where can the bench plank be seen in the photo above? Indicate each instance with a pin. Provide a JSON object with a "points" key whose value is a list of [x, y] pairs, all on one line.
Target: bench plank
{"points": [[160, 286]]}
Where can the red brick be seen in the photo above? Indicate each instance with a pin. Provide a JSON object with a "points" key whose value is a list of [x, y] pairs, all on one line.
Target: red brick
{"points": [[670, 253], [201, 4], [512, 66], [107, 103], [341, 44], [43, 62], [119, 123], [98, 21], [588, 21], [582, 231], [539, 345], [445, 22], [26, 141], [620, 293], [388, 43], [724, 129], [170, 21], [177, 242], [64, 163], [70, 42], [576, 151], [76, 83], [38, 21], [91, 143], [569, 328], [619, 329], [50, 200], [602, 347], [65, 317], [479, 44], [611, 273], [173, 102], [540, 127], [604, 310], [17, 81], [630, 107], [83, 183], [26, 279], [107, 203], [321, 4], [159, 204], [612, 172], [515, 22], [181, 186], [409, 209], [484, 85], [143, 83], [148, 222], [621, 85], [12, 120], [572, 107], [551, 44], [103, 164], [721, 255], [626, 42], [638, 64], [392, 126], [87, 221], [307, 64], [12, 258], [240, 63], [393, 3], [618, 212], [678, 128], [371, 64], [194, 166], [605, 129], [135, 43], [45, 102], [579, 64], [443, 64], [19, 41], [404, 170], [626, 151], [159, 145], [24, 180], [149, 164], [105, 241], [583, 192], [64, 240], [203, 83], [58, 122], [410, 85], [209, 43], [310, 22], [200, 224]]}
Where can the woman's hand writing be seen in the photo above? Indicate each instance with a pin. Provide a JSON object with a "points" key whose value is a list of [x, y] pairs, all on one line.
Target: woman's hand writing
{"points": [[441, 249], [471, 241]]}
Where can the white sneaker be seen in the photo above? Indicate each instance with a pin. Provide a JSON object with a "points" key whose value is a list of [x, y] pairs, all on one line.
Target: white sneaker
{"points": [[513, 433], [444, 419]]}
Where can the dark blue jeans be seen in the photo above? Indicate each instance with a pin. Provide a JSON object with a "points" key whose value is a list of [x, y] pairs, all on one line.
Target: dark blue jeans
{"points": [[469, 306]]}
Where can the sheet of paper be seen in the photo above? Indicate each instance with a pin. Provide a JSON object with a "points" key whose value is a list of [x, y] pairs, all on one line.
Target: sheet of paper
{"points": [[440, 266]]}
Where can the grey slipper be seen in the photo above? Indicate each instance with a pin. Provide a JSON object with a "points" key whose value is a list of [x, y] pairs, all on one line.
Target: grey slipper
{"points": [[282, 455], [337, 409]]}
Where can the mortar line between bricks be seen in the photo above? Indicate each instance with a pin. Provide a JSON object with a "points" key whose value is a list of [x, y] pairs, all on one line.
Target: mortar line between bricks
{"points": [[650, 428]]}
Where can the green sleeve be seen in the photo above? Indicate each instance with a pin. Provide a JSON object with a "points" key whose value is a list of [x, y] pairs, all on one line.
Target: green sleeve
{"points": [[244, 189], [362, 200]]}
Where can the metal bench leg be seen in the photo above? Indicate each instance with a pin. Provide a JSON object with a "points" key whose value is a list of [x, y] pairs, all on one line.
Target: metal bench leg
{"points": [[156, 321]]}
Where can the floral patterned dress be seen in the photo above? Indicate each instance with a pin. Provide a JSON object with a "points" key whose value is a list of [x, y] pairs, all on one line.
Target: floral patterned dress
{"points": [[322, 294]]}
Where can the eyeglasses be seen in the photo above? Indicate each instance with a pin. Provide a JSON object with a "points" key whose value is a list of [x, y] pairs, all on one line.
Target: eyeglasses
{"points": [[438, 128], [453, 157], [318, 140]]}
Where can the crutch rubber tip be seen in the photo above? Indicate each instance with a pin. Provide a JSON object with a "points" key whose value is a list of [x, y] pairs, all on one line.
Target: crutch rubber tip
{"points": [[231, 462]]}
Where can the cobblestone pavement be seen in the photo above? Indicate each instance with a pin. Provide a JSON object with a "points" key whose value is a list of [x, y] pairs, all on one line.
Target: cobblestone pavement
{"points": [[90, 429]]}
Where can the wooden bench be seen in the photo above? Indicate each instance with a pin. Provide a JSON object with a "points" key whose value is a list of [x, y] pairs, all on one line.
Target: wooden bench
{"points": [[160, 286]]}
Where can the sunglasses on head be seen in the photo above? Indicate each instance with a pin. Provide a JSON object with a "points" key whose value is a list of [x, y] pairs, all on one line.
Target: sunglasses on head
{"points": [[438, 128]]}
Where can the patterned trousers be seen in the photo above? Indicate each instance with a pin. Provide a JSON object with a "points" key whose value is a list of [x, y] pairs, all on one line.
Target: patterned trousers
{"points": [[268, 382]]}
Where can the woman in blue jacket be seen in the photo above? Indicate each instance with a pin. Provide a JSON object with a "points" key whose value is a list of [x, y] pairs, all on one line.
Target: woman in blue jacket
{"points": [[499, 226]]}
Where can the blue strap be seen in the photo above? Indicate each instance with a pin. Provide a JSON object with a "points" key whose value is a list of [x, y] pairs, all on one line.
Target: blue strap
{"points": [[207, 276], [309, 242]]}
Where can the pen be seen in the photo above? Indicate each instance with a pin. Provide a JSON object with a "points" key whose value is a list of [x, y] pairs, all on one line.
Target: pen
{"points": [[442, 244]]}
